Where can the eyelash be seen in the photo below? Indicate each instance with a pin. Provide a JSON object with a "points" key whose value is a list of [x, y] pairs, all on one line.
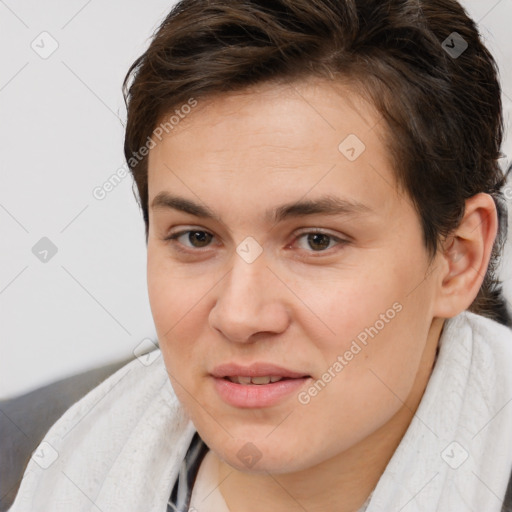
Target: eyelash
{"points": [[172, 238]]}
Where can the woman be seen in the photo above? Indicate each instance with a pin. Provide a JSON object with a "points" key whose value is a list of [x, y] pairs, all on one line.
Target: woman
{"points": [[324, 214]]}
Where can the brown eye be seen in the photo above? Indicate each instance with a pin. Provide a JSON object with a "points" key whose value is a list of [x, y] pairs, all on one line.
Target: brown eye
{"points": [[318, 241], [201, 237], [195, 238]]}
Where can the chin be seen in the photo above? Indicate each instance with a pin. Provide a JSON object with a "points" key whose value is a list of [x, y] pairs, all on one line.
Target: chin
{"points": [[258, 454]]}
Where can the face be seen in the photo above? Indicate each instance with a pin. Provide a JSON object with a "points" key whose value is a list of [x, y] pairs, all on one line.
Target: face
{"points": [[286, 249]]}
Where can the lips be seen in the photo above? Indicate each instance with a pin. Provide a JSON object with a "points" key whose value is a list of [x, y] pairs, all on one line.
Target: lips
{"points": [[257, 385], [256, 372]]}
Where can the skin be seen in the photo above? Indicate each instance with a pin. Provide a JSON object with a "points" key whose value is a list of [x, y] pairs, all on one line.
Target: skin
{"points": [[297, 305]]}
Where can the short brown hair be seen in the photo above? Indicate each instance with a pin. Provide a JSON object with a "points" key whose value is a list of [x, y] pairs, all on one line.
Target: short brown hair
{"points": [[443, 111]]}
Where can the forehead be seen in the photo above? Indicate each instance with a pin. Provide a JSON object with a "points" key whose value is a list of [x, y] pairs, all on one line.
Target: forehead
{"points": [[286, 140]]}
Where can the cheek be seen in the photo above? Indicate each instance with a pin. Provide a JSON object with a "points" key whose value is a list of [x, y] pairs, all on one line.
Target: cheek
{"points": [[364, 384], [374, 329], [346, 305], [173, 303], [180, 301], [172, 296], [175, 307]]}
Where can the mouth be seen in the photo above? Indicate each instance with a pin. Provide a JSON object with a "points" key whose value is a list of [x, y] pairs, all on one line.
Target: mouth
{"points": [[257, 385], [258, 373], [258, 381]]}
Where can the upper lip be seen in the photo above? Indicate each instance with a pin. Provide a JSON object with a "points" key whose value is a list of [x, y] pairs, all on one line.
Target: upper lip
{"points": [[260, 369]]}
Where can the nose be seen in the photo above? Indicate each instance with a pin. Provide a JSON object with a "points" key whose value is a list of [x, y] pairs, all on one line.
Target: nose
{"points": [[250, 300]]}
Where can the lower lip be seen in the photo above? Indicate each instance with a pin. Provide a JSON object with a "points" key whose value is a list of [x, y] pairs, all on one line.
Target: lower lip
{"points": [[257, 395]]}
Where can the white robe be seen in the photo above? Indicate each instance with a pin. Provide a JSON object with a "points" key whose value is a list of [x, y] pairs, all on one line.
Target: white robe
{"points": [[120, 447]]}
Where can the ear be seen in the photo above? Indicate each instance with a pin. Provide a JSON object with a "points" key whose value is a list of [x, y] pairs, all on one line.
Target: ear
{"points": [[464, 257]]}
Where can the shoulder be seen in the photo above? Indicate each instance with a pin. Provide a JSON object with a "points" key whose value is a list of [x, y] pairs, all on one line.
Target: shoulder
{"points": [[488, 334], [122, 442], [493, 348], [25, 419]]}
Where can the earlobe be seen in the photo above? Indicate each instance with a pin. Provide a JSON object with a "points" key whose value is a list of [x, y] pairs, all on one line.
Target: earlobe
{"points": [[465, 256]]}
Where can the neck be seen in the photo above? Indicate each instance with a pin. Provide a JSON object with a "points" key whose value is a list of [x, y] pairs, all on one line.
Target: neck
{"points": [[343, 482]]}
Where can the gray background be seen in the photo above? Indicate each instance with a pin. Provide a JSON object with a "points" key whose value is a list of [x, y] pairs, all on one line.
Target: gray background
{"points": [[61, 136]]}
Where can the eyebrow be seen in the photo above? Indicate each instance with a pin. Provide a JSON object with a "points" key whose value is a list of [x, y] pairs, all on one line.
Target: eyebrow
{"points": [[325, 205]]}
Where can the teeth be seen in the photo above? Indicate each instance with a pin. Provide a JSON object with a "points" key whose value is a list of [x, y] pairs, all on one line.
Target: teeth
{"points": [[260, 380], [255, 380]]}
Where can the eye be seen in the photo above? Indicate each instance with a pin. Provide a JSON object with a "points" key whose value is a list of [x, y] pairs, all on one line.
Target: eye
{"points": [[196, 237], [320, 241]]}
